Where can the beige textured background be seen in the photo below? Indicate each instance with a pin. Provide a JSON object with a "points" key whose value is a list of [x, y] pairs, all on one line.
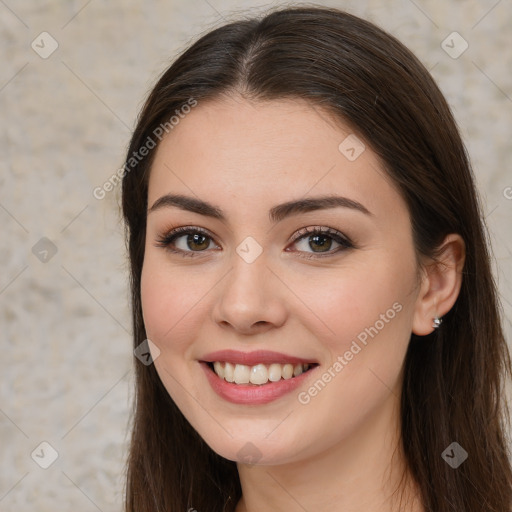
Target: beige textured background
{"points": [[66, 361]]}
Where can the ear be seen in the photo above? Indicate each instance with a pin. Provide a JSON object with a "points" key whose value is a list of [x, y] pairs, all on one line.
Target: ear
{"points": [[440, 284]]}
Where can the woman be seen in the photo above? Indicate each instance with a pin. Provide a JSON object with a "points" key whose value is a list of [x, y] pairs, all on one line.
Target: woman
{"points": [[310, 275]]}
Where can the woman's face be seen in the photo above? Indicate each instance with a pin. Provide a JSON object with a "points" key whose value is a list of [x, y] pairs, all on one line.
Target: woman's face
{"points": [[271, 272]]}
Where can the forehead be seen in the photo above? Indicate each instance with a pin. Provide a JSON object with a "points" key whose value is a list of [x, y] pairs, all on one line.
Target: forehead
{"points": [[261, 153]]}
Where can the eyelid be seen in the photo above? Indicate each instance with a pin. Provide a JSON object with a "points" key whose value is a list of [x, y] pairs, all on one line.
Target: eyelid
{"points": [[173, 233], [165, 240], [312, 230], [337, 236]]}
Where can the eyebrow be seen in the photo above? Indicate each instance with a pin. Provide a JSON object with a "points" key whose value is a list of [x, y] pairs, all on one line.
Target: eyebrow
{"points": [[276, 213]]}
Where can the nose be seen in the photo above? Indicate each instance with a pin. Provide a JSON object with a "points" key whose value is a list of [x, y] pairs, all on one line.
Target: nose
{"points": [[250, 298]]}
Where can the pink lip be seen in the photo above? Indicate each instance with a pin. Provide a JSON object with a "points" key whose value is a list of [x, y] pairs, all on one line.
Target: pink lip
{"points": [[253, 358], [250, 394]]}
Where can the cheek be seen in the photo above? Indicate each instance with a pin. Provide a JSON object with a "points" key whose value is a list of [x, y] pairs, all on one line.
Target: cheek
{"points": [[172, 309], [155, 300], [355, 303], [162, 298], [173, 302], [369, 326]]}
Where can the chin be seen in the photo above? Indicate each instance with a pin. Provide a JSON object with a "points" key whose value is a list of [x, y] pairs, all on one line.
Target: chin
{"points": [[253, 450]]}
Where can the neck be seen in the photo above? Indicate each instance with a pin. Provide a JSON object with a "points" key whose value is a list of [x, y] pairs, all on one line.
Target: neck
{"points": [[362, 472]]}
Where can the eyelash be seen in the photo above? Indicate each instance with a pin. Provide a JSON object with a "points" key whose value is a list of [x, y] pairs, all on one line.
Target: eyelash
{"points": [[168, 238]]}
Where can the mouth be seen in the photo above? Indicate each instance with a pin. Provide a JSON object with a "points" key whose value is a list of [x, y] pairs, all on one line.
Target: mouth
{"points": [[255, 378], [259, 374]]}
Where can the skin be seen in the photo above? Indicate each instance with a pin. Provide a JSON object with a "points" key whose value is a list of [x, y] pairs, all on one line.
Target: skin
{"points": [[335, 452]]}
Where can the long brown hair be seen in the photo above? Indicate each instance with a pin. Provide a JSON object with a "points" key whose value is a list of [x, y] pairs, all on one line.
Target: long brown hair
{"points": [[453, 388]]}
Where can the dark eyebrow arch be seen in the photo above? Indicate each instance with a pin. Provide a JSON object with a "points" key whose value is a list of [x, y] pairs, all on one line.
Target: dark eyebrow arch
{"points": [[276, 213]]}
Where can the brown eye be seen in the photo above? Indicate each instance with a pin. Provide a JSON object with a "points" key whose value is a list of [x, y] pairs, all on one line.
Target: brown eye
{"points": [[196, 241], [316, 242], [185, 241], [319, 241]]}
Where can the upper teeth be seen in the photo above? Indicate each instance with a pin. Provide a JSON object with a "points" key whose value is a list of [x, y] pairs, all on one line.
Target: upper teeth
{"points": [[258, 374]]}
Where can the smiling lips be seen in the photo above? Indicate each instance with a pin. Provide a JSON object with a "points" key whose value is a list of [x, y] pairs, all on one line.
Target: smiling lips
{"points": [[255, 377]]}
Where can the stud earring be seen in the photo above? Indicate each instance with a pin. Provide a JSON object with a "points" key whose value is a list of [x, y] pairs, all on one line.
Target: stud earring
{"points": [[437, 322]]}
